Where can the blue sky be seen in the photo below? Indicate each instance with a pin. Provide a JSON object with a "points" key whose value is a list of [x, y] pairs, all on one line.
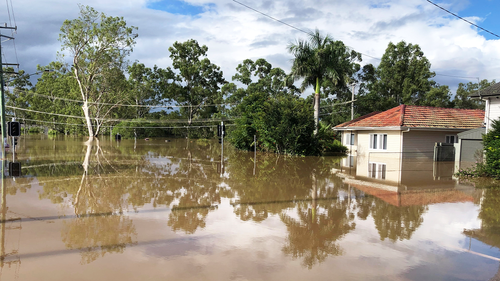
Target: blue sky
{"points": [[179, 7], [487, 10]]}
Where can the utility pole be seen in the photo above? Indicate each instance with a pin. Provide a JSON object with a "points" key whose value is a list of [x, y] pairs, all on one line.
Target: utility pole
{"points": [[352, 100], [2, 90]]}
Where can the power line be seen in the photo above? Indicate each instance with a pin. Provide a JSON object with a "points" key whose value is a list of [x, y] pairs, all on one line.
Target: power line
{"points": [[465, 77], [289, 25], [127, 105], [124, 120], [127, 127], [275, 19], [8, 11], [309, 33], [13, 15], [471, 23]]}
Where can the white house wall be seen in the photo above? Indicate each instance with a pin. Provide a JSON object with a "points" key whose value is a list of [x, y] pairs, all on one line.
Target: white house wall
{"points": [[391, 157], [494, 111]]}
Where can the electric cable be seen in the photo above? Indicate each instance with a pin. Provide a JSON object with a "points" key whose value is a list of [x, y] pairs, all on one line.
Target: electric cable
{"points": [[127, 105], [471, 23], [287, 24], [125, 120], [72, 124]]}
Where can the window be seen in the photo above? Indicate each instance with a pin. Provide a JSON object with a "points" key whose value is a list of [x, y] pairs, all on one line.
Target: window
{"points": [[378, 141], [349, 161], [377, 170], [452, 139], [349, 138]]}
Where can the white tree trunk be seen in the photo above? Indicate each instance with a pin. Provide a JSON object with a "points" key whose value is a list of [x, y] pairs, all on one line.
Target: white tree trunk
{"points": [[86, 113]]}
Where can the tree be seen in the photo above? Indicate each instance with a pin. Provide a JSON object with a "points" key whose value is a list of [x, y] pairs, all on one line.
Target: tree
{"points": [[320, 61], [462, 99], [147, 86], [257, 77], [50, 93], [403, 75], [437, 96], [199, 80], [19, 96], [282, 125], [97, 44]]}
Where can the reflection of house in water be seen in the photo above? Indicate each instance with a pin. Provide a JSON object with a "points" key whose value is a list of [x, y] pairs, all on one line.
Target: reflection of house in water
{"points": [[419, 182]]}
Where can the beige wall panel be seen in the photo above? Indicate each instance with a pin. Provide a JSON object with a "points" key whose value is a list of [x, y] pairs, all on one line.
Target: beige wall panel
{"points": [[420, 144]]}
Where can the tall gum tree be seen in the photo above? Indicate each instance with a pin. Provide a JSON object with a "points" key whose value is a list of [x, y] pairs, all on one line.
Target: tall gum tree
{"points": [[404, 74], [97, 43], [321, 60], [199, 80]]}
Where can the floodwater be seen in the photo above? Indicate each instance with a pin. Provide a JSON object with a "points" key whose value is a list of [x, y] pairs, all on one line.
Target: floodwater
{"points": [[156, 210]]}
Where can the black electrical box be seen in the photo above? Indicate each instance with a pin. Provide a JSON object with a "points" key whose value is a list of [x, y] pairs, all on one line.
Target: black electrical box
{"points": [[14, 129], [15, 169]]}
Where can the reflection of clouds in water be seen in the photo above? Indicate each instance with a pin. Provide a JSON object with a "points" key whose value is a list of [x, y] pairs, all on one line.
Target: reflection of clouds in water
{"points": [[443, 225], [432, 247], [242, 234]]}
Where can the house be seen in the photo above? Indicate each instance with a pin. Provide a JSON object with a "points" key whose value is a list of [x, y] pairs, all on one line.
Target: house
{"points": [[491, 96], [399, 143]]}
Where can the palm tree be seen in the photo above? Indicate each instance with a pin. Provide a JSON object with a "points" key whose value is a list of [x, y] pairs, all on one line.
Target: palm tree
{"points": [[322, 60]]}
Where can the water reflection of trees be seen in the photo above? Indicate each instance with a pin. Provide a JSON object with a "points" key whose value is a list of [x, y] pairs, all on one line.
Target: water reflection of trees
{"points": [[184, 176], [114, 179], [396, 223], [392, 222], [303, 186]]}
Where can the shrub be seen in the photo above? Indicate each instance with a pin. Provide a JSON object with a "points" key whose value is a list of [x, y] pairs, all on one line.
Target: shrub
{"points": [[35, 130], [282, 124]]}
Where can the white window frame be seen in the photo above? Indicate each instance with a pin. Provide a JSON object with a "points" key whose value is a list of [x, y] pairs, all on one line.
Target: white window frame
{"points": [[378, 141], [447, 138], [350, 138], [377, 170], [349, 161]]}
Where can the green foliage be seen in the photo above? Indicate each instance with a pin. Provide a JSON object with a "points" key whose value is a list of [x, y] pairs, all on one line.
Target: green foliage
{"points": [[491, 143], [491, 146], [98, 46], [282, 125], [403, 75], [462, 99], [199, 80], [146, 87], [324, 64], [130, 129], [35, 130], [437, 96], [52, 132], [328, 142]]}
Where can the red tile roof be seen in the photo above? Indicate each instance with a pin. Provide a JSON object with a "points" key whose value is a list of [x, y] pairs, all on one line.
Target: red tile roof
{"points": [[420, 117]]}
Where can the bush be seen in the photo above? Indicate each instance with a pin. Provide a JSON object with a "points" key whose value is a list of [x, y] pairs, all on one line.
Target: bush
{"points": [[328, 142], [35, 130], [282, 124], [52, 132], [139, 128]]}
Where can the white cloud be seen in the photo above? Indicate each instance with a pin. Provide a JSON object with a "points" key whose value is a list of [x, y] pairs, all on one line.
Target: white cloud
{"points": [[234, 33]]}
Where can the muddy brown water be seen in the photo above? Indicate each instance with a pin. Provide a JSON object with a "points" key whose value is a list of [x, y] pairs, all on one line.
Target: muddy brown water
{"points": [[156, 210]]}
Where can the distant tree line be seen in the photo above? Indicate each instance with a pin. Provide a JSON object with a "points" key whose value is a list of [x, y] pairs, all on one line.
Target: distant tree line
{"points": [[99, 91]]}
